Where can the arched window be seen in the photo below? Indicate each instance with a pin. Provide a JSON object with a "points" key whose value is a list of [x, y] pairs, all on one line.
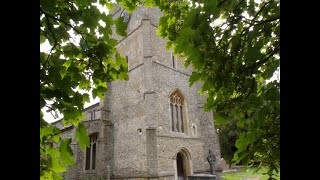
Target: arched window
{"points": [[91, 152], [177, 110]]}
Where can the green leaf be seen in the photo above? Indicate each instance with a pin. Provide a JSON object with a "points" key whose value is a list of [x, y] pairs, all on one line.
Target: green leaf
{"points": [[56, 138], [81, 135], [63, 73], [123, 76], [241, 122], [46, 176], [53, 152], [42, 39], [110, 6], [77, 100], [57, 166], [45, 131], [193, 78], [82, 2], [121, 60], [86, 97], [48, 5], [208, 105], [108, 19], [67, 63], [112, 42], [210, 5], [66, 152], [149, 3], [121, 26], [84, 84], [73, 115], [99, 92], [56, 176], [220, 118]]}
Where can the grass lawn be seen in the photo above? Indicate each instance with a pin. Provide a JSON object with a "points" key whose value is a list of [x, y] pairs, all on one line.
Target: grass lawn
{"points": [[247, 174]]}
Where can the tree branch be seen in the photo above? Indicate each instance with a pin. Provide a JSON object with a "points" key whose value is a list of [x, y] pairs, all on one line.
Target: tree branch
{"points": [[266, 21], [260, 10], [221, 2], [238, 5], [271, 53], [54, 37], [74, 28]]}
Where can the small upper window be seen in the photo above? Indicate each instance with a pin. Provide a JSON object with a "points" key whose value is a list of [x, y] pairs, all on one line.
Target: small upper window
{"points": [[173, 61], [93, 115], [194, 129], [127, 60]]}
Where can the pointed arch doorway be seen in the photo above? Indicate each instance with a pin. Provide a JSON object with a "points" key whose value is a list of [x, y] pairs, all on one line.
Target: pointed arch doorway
{"points": [[180, 170], [183, 165]]}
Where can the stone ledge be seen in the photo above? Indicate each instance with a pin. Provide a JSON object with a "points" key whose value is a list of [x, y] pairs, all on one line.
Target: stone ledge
{"points": [[181, 137]]}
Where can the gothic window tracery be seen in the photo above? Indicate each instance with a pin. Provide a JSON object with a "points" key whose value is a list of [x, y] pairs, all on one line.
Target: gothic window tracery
{"points": [[177, 112]]}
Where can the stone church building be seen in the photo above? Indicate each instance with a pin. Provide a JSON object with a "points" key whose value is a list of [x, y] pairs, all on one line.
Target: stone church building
{"points": [[152, 126]]}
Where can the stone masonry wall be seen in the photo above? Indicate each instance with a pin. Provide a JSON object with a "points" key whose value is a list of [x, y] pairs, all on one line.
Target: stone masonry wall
{"points": [[198, 143], [127, 113]]}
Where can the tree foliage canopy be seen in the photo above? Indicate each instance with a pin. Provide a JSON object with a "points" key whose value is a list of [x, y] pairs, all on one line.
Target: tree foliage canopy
{"points": [[70, 66]]}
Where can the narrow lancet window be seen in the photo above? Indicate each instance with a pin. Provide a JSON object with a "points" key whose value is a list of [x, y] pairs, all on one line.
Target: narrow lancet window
{"points": [[91, 152]]}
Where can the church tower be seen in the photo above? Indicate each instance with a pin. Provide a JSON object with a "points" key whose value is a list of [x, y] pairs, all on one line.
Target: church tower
{"points": [[153, 125]]}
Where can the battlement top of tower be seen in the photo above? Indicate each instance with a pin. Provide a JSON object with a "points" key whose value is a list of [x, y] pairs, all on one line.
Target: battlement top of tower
{"points": [[135, 18], [152, 13]]}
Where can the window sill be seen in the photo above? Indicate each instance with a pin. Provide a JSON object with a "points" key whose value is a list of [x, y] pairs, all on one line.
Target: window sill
{"points": [[179, 134], [89, 171]]}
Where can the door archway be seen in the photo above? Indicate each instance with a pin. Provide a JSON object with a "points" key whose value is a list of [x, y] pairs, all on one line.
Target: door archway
{"points": [[183, 164]]}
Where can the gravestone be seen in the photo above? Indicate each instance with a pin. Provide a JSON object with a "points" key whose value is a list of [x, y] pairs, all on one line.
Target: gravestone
{"points": [[222, 165]]}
